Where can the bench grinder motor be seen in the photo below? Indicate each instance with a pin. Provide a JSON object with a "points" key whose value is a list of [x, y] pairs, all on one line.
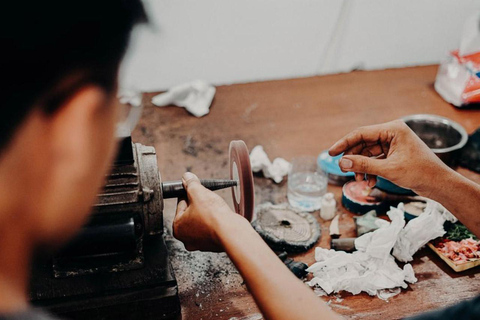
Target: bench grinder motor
{"points": [[129, 210]]}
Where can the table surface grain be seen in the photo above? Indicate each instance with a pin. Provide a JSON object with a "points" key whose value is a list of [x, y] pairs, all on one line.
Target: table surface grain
{"points": [[291, 118]]}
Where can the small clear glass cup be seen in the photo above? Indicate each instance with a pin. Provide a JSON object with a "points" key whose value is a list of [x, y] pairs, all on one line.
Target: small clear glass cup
{"points": [[306, 185]]}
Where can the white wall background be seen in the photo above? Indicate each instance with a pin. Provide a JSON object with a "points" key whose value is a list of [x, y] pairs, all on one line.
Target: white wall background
{"points": [[231, 41]]}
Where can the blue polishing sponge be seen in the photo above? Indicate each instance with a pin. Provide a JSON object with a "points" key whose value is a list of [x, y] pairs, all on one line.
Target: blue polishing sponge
{"points": [[329, 165]]}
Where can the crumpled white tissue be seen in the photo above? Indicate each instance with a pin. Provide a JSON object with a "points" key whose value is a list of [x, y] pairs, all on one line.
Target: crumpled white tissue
{"points": [[355, 272], [419, 231], [372, 268], [275, 170], [196, 97], [380, 242]]}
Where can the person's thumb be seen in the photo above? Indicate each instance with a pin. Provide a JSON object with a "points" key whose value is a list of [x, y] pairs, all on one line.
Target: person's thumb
{"points": [[355, 163], [192, 184]]}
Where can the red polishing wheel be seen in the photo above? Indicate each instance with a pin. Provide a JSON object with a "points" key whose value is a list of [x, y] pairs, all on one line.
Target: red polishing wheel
{"points": [[241, 171]]}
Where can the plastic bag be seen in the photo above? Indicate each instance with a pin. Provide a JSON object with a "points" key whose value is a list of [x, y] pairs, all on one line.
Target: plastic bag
{"points": [[458, 78]]}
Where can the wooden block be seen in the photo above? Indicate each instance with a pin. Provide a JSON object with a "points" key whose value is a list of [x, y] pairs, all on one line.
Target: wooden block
{"points": [[457, 267]]}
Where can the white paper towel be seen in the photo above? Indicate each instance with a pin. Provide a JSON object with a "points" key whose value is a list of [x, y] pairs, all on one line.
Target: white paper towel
{"points": [[275, 170], [196, 97], [372, 268]]}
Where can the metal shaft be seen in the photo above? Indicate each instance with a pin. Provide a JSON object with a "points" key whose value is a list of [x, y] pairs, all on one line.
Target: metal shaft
{"points": [[343, 244], [175, 189]]}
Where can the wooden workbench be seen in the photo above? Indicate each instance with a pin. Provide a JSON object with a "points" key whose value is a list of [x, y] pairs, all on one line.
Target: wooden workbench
{"points": [[291, 118]]}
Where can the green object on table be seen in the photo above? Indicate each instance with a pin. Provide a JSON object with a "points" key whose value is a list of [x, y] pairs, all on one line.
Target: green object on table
{"points": [[457, 232]]}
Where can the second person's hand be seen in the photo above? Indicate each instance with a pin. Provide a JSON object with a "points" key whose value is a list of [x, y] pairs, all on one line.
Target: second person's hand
{"points": [[391, 150]]}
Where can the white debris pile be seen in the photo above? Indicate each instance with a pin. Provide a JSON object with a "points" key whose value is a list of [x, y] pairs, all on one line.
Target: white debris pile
{"points": [[275, 170], [372, 269], [419, 231], [379, 243], [196, 97]]}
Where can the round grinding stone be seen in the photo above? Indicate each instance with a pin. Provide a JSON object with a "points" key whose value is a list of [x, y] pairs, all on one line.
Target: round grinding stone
{"points": [[240, 169], [285, 228], [357, 198]]}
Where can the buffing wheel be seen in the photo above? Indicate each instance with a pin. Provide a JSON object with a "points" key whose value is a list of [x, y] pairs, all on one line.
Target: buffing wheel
{"points": [[357, 198], [241, 171], [285, 228]]}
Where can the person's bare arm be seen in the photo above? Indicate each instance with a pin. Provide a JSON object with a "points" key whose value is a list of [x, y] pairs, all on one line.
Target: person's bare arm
{"points": [[393, 151], [461, 197], [207, 223]]}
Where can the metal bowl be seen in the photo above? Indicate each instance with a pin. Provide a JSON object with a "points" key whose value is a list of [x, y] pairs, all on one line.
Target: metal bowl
{"points": [[442, 135]]}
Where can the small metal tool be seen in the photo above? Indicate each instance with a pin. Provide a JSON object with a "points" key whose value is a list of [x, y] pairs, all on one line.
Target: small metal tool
{"points": [[298, 268], [343, 244], [175, 189]]}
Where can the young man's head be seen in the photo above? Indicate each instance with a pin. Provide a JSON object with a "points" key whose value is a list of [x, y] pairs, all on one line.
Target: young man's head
{"points": [[59, 63]]}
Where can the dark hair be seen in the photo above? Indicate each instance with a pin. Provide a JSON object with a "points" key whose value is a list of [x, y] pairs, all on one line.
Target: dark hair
{"points": [[51, 48]]}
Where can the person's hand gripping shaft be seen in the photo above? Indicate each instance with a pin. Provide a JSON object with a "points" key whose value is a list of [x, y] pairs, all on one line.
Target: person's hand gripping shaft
{"points": [[199, 217], [205, 222]]}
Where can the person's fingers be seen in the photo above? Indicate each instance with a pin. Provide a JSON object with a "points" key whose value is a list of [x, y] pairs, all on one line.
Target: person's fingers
{"points": [[192, 185], [372, 180], [189, 179], [364, 135], [345, 164], [190, 247], [362, 164], [356, 149], [359, 176], [181, 207], [372, 150], [354, 138]]}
